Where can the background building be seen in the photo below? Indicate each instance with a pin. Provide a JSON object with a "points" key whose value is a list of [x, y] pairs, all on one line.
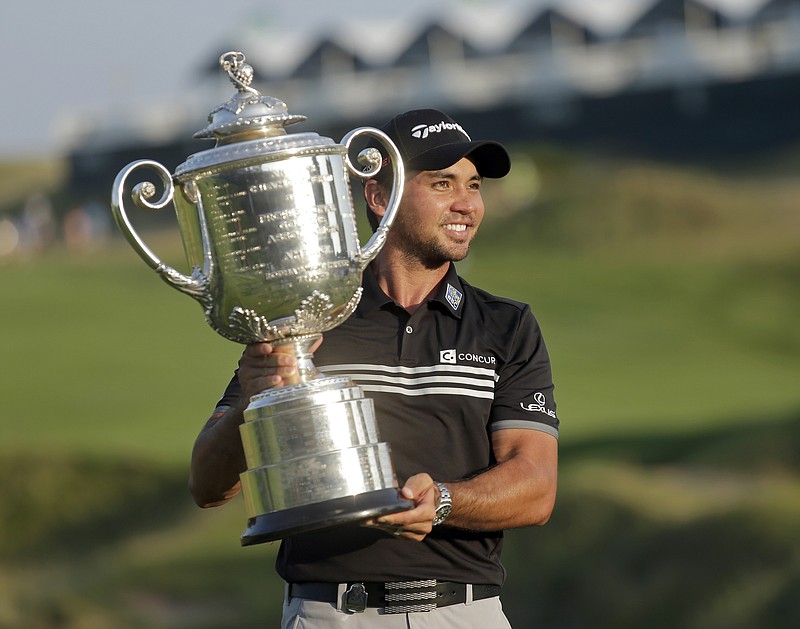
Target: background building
{"points": [[675, 78]]}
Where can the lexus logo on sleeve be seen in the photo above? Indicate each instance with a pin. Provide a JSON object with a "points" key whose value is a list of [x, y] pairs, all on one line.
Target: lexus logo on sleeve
{"points": [[538, 405]]}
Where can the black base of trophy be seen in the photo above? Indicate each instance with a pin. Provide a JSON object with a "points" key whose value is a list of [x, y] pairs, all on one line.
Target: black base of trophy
{"points": [[269, 527]]}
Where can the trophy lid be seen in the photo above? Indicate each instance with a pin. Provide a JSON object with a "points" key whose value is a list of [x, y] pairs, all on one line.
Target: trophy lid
{"points": [[249, 126], [247, 115]]}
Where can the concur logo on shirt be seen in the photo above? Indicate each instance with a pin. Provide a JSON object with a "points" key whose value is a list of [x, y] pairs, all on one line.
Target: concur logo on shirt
{"points": [[453, 357], [447, 356]]}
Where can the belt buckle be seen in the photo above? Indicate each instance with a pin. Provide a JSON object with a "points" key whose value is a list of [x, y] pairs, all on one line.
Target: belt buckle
{"points": [[355, 599]]}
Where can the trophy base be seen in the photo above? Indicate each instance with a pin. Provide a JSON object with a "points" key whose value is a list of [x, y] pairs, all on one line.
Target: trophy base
{"points": [[269, 527]]}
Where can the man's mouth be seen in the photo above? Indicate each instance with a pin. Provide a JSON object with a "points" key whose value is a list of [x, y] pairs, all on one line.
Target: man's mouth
{"points": [[453, 227]]}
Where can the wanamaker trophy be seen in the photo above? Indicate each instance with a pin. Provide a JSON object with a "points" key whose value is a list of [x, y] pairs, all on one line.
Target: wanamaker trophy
{"points": [[269, 231]]}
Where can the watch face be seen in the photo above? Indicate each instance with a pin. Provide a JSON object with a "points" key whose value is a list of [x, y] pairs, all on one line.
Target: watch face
{"points": [[441, 513]]}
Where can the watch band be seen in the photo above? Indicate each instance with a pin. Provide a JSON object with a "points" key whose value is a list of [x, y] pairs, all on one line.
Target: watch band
{"points": [[445, 505]]}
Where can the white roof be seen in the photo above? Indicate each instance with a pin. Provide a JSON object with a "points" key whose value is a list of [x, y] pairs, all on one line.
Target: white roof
{"points": [[379, 39]]}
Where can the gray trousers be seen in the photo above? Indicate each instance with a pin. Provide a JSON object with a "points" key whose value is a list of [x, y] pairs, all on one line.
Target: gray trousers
{"points": [[300, 613]]}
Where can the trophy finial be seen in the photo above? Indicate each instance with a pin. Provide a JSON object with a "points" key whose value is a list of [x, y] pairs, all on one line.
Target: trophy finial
{"points": [[239, 72], [248, 115]]}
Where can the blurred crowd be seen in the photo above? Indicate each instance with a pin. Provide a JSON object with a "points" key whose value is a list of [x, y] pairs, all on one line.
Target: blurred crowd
{"points": [[37, 228]]}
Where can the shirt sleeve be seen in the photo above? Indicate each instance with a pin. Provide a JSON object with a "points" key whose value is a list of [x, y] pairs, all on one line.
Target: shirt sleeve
{"points": [[524, 392], [231, 396]]}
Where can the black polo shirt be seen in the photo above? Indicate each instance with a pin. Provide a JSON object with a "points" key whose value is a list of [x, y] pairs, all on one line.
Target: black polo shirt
{"points": [[463, 365]]}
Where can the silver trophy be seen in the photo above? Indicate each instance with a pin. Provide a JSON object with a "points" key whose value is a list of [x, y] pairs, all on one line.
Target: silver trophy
{"points": [[268, 227]]}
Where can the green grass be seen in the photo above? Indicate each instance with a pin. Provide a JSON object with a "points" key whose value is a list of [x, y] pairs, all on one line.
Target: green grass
{"points": [[103, 356], [657, 345]]}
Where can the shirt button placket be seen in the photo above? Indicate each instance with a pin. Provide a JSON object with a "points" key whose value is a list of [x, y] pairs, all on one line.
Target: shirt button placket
{"points": [[407, 353]]}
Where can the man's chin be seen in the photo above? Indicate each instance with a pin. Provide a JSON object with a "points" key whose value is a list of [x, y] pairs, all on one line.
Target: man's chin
{"points": [[437, 261]]}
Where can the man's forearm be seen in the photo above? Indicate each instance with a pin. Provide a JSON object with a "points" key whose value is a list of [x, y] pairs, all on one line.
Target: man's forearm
{"points": [[496, 500], [217, 459], [519, 491]]}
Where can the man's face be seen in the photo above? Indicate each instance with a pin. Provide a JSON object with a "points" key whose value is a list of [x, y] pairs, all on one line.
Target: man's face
{"points": [[439, 215]]}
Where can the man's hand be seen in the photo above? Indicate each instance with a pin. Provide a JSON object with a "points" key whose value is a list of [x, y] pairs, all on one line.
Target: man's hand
{"points": [[264, 366], [415, 523]]}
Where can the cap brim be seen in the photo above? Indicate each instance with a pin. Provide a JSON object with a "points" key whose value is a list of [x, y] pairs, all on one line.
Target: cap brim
{"points": [[490, 158]]}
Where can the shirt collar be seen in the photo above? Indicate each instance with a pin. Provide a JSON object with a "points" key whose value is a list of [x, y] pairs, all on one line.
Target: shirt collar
{"points": [[450, 293], [373, 297]]}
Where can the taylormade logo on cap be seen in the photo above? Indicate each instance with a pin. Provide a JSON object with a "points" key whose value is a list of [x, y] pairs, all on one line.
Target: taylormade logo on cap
{"points": [[422, 131]]}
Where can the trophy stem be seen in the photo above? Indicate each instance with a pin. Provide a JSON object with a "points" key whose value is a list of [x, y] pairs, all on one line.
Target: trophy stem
{"points": [[301, 347]]}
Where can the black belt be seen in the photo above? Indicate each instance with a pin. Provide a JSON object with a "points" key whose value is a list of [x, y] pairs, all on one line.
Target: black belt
{"points": [[395, 597]]}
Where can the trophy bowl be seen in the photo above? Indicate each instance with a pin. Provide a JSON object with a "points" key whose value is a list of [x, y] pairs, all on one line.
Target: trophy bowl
{"points": [[268, 227]]}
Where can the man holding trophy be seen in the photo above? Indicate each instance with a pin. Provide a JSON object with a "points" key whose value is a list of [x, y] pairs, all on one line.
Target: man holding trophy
{"points": [[463, 396]]}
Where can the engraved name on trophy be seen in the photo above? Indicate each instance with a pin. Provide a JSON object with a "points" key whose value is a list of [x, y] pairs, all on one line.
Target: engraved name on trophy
{"points": [[268, 227]]}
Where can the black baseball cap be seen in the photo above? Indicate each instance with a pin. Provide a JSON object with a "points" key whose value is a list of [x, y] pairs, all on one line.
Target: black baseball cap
{"points": [[429, 139]]}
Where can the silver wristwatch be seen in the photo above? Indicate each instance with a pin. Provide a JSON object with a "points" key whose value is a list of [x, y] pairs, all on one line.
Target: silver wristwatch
{"points": [[445, 505]]}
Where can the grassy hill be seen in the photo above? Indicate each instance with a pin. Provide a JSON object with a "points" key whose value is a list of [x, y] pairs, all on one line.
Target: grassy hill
{"points": [[21, 179], [668, 297]]}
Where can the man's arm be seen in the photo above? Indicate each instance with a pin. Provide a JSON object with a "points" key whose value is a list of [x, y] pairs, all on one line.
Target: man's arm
{"points": [[217, 459], [520, 490], [218, 456]]}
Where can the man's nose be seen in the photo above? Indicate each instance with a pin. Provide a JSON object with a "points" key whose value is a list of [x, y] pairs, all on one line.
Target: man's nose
{"points": [[466, 200]]}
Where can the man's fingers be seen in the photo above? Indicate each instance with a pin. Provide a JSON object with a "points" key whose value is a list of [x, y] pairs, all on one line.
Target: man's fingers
{"points": [[263, 367], [258, 349]]}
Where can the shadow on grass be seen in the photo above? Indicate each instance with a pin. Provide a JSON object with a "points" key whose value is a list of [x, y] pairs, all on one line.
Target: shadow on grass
{"points": [[649, 531], [644, 539], [761, 443], [60, 504]]}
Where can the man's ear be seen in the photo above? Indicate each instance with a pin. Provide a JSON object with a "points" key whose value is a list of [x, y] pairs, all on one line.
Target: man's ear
{"points": [[375, 198]]}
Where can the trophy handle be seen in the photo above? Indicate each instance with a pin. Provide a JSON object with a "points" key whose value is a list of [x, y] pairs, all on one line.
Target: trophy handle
{"points": [[195, 286], [370, 159]]}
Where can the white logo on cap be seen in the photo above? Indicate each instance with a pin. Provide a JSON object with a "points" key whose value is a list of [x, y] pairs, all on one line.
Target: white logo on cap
{"points": [[422, 131]]}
